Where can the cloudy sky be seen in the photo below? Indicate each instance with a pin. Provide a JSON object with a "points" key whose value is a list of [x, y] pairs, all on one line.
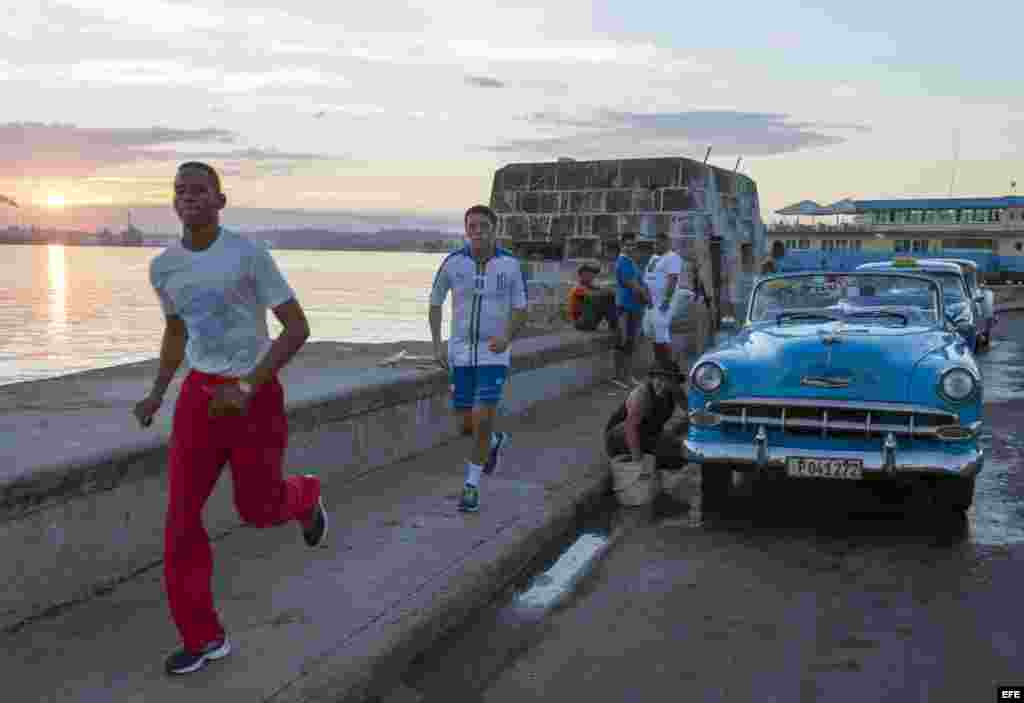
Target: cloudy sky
{"points": [[388, 106]]}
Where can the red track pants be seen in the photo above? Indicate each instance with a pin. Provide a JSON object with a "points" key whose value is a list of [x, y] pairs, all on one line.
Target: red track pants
{"points": [[254, 443]]}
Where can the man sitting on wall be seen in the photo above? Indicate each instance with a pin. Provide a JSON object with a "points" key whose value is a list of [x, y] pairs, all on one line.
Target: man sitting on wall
{"points": [[642, 424], [590, 304]]}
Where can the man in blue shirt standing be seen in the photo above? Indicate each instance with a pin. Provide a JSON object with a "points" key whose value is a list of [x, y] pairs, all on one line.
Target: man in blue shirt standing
{"points": [[630, 300], [488, 311]]}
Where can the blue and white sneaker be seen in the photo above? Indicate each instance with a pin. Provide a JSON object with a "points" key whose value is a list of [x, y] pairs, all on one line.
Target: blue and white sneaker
{"points": [[470, 502], [497, 449], [186, 662]]}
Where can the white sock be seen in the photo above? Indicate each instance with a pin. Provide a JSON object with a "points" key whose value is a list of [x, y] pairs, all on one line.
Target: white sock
{"points": [[473, 472]]}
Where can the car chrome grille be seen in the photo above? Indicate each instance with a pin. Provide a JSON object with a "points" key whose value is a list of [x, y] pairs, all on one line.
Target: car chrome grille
{"points": [[832, 418]]}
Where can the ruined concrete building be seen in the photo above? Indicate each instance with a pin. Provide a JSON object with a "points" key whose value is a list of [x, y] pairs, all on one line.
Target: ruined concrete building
{"points": [[572, 210]]}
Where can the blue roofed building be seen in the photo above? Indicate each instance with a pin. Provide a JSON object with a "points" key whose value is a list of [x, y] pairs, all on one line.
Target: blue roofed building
{"points": [[841, 236]]}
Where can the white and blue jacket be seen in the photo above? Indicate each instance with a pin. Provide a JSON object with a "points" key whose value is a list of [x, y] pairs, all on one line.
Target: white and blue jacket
{"points": [[483, 297]]}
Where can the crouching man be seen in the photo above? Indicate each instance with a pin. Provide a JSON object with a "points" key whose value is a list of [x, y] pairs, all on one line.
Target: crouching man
{"points": [[644, 423]]}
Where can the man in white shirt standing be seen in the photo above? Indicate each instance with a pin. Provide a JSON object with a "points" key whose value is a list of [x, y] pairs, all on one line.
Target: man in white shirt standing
{"points": [[488, 311], [215, 288], [662, 277]]}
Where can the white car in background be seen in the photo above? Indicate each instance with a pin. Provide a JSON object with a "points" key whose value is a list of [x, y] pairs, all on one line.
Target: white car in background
{"points": [[985, 299]]}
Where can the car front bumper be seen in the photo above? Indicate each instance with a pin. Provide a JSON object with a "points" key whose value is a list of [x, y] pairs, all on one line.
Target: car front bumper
{"points": [[890, 461]]}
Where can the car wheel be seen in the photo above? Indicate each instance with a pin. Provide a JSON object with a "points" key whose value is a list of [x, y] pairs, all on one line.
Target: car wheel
{"points": [[956, 494], [715, 482]]}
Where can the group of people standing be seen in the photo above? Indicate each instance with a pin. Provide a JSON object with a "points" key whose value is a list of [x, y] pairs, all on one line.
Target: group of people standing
{"points": [[643, 300], [646, 422]]}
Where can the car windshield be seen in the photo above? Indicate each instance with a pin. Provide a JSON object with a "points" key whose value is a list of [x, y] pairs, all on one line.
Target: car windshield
{"points": [[971, 276], [887, 298], [952, 285]]}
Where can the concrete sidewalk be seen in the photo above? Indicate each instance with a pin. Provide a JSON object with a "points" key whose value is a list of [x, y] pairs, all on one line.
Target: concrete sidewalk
{"points": [[401, 565]]}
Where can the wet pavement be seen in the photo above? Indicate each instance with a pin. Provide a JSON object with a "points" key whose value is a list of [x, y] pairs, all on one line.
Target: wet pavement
{"points": [[799, 592]]}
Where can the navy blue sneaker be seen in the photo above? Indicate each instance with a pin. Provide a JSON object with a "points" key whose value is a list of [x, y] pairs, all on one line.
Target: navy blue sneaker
{"points": [[497, 449], [470, 502], [315, 533], [186, 662]]}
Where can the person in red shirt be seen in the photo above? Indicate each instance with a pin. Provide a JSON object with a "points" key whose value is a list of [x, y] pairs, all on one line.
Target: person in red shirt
{"points": [[590, 304]]}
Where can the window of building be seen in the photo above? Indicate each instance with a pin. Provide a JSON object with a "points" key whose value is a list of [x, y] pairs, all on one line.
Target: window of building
{"points": [[856, 244], [920, 246], [1018, 246], [901, 245], [805, 243], [987, 244]]}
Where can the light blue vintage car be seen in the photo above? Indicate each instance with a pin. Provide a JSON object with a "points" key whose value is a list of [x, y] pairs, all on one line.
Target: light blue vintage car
{"points": [[850, 376], [962, 307]]}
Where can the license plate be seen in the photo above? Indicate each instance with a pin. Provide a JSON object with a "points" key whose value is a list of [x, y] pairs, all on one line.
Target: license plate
{"points": [[809, 467]]}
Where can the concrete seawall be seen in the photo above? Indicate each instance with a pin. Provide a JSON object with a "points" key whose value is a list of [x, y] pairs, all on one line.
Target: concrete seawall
{"points": [[1009, 298], [83, 490]]}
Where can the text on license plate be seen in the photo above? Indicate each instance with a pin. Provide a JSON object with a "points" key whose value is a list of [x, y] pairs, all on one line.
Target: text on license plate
{"points": [[806, 467]]}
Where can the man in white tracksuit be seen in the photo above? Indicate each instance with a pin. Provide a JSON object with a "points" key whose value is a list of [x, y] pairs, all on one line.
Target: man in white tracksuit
{"points": [[662, 278], [488, 311]]}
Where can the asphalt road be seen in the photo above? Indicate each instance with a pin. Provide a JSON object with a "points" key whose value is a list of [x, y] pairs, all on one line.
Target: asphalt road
{"points": [[796, 595]]}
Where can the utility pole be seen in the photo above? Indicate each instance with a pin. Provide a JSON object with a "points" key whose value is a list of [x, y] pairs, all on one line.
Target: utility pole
{"points": [[956, 156]]}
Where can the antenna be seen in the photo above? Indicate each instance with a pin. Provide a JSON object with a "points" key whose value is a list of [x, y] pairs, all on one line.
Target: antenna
{"points": [[737, 166], [707, 155], [956, 159]]}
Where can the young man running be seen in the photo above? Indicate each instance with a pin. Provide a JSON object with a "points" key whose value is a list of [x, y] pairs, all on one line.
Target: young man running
{"points": [[215, 288], [488, 311]]}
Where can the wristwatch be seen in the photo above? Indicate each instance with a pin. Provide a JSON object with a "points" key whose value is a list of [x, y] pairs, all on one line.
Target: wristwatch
{"points": [[245, 386]]}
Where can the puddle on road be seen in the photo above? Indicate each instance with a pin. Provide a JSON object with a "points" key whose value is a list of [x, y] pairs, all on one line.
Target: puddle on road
{"points": [[1003, 365], [997, 517]]}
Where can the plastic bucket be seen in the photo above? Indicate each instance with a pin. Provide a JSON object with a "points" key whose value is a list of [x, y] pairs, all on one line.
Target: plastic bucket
{"points": [[635, 483]]}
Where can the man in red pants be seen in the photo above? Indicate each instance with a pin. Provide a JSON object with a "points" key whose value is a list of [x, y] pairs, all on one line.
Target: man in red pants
{"points": [[215, 288]]}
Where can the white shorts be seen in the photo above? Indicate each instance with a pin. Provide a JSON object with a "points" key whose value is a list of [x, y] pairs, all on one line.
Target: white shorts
{"points": [[658, 325]]}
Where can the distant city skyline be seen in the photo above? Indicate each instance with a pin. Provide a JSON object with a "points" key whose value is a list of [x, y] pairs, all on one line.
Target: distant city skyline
{"points": [[411, 107]]}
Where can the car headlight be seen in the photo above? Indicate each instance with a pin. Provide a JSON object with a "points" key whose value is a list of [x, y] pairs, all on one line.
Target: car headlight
{"points": [[708, 377], [957, 385]]}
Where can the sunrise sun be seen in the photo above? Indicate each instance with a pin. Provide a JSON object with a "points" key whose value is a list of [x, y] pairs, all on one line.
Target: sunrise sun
{"points": [[55, 200]]}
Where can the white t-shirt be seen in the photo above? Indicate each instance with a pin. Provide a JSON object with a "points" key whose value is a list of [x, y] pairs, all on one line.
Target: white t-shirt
{"points": [[659, 268], [223, 294], [482, 301]]}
